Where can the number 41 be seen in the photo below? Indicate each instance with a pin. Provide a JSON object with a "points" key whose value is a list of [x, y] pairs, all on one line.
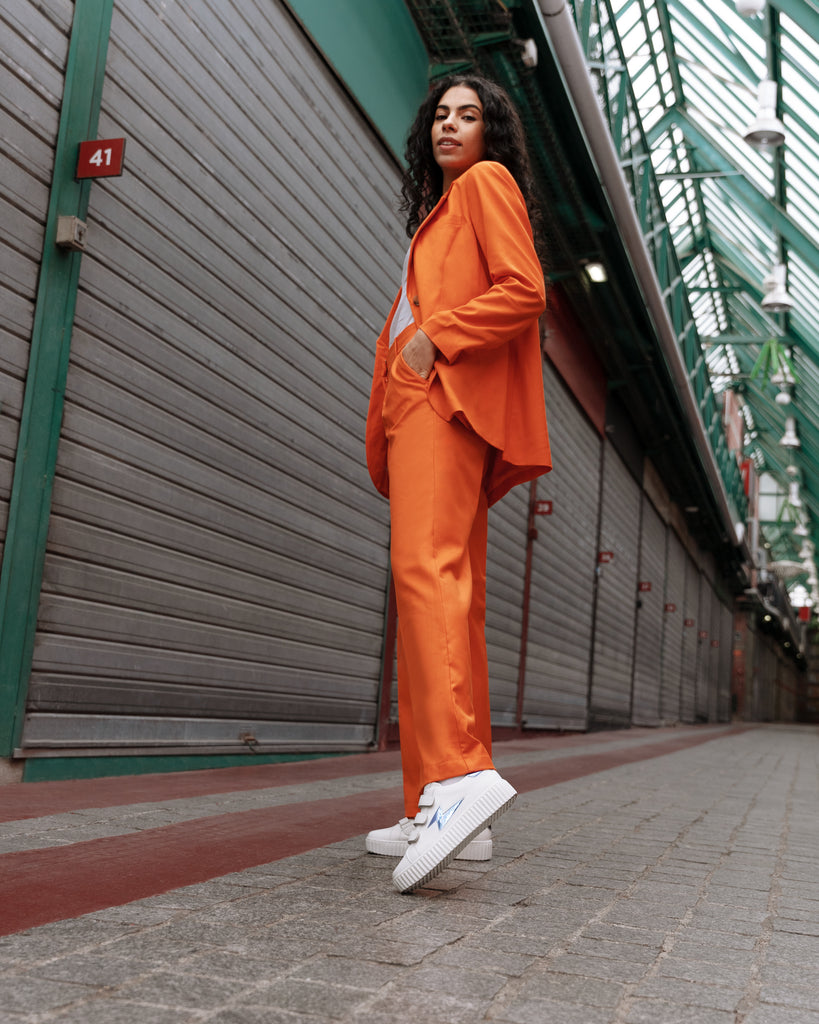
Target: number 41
{"points": [[102, 156]]}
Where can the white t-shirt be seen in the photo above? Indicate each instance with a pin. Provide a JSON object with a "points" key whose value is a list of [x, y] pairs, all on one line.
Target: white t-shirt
{"points": [[403, 315]]}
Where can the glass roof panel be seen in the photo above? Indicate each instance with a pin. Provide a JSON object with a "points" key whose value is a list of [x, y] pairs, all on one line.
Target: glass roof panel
{"points": [[734, 210]]}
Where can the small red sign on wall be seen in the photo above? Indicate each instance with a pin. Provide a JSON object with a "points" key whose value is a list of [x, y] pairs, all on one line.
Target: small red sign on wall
{"points": [[703, 634], [689, 623], [670, 607], [604, 557], [543, 508], [101, 158], [644, 587], [715, 643]]}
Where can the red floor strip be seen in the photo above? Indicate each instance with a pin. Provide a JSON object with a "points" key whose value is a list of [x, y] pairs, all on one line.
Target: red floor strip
{"points": [[40, 886]]}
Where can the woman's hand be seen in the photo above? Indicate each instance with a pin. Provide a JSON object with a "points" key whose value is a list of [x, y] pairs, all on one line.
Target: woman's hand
{"points": [[419, 354]]}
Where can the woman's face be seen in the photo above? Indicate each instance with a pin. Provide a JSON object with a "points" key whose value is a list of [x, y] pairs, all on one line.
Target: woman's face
{"points": [[457, 132]]}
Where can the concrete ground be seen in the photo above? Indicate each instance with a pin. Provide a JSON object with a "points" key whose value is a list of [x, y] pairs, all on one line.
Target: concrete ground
{"points": [[646, 877]]}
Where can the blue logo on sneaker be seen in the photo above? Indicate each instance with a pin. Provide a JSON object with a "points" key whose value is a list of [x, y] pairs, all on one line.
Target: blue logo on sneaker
{"points": [[440, 818]]}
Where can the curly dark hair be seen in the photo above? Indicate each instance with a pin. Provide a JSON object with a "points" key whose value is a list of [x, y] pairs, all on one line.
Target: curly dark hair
{"points": [[504, 139]]}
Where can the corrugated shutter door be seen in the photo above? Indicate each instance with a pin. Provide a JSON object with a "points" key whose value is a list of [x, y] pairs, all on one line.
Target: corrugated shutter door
{"points": [[648, 649], [703, 650], [688, 681], [615, 609], [505, 567], [217, 559], [766, 681], [562, 589], [673, 619], [726, 661], [34, 45], [715, 642]]}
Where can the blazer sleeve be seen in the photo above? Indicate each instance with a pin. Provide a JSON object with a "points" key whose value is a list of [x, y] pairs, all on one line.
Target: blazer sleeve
{"points": [[497, 213]]}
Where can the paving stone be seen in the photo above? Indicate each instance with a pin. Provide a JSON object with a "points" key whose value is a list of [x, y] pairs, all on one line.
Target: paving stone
{"points": [[598, 967], [109, 1011], [463, 954], [96, 968], [553, 985], [367, 975], [690, 993], [331, 1002], [537, 1011], [766, 1014], [22, 993], [653, 1011], [181, 990]]}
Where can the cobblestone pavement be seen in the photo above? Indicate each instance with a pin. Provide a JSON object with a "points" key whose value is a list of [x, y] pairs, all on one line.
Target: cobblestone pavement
{"points": [[679, 888]]}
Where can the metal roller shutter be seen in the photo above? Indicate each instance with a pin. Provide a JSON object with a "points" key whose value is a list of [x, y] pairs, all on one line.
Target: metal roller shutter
{"points": [[34, 47], [648, 647], [615, 606], [715, 644], [673, 619], [726, 645], [765, 682], [505, 567], [562, 587], [217, 559], [703, 651], [688, 680]]}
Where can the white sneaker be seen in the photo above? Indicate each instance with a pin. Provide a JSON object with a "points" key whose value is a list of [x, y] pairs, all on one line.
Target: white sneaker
{"points": [[451, 815], [393, 842]]}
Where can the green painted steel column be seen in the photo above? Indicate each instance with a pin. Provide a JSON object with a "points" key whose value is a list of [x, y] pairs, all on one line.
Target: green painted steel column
{"points": [[30, 504]]}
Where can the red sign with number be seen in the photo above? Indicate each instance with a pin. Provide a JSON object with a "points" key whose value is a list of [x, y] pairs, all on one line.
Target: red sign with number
{"points": [[604, 557], [670, 607], [543, 508], [644, 587], [688, 623], [101, 158]]}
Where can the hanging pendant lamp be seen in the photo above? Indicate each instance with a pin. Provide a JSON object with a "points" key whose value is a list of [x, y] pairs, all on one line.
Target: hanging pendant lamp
{"points": [[766, 130]]}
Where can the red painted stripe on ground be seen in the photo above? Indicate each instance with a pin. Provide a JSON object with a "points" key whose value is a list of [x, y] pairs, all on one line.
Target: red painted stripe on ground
{"points": [[40, 886]]}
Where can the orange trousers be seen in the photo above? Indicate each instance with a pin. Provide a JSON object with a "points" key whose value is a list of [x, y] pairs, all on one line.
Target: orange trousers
{"points": [[438, 514]]}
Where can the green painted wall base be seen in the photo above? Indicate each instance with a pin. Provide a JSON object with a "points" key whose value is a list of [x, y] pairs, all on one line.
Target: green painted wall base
{"points": [[52, 769]]}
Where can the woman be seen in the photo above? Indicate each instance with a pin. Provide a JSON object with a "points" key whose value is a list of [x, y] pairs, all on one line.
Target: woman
{"points": [[456, 418]]}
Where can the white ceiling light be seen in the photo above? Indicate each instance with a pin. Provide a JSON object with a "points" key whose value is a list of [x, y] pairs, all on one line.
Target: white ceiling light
{"points": [[776, 298], [789, 438], [595, 271], [766, 129], [748, 8]]}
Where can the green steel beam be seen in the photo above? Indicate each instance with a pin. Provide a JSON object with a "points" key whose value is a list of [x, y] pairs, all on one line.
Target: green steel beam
{"points": [[752, 198], [36, 458], [803, 13]]}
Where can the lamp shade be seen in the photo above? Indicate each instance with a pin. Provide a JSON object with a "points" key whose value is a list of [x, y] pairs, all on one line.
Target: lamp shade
{"points": [[790, 438], [766, 130], [776, 298]]}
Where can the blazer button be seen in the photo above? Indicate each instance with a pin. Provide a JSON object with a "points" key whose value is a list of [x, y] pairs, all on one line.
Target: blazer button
{"points": [[415, 301]]}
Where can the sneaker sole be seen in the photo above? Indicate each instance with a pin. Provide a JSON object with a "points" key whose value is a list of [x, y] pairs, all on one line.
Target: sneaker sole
{"points": [[478, 849], [487, 809]]}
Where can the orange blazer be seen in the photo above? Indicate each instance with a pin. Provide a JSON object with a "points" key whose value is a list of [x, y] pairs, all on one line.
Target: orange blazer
{"points": [[476, 289]]}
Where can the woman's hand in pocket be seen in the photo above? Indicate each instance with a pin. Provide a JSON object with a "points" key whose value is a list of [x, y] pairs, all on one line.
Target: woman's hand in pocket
{"points": [[419, 354]]}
